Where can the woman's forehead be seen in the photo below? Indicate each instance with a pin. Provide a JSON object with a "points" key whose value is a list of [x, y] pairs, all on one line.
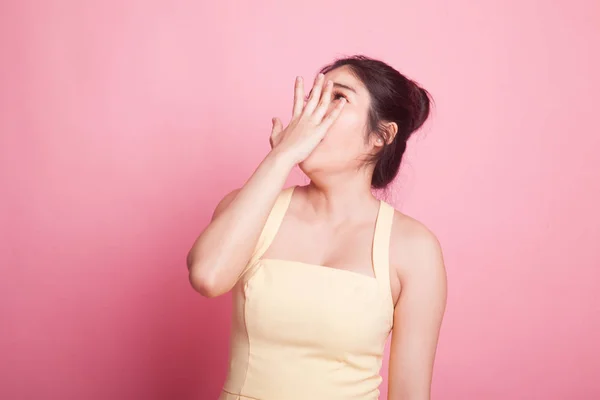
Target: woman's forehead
{"points": [[344, 77]]}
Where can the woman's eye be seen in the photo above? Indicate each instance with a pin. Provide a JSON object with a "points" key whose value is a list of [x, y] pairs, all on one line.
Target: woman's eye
{"points": [[339, 95], [336, 96]]}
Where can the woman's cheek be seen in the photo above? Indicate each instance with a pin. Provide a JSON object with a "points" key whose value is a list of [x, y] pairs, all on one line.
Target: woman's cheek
{"points": [[348, 119]]}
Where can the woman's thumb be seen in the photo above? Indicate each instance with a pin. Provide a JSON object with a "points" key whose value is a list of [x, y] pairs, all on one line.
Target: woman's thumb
{"points": [[277, 126]]}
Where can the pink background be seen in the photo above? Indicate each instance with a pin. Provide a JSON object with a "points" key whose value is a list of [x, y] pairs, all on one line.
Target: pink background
{"points": [[124, 122]]}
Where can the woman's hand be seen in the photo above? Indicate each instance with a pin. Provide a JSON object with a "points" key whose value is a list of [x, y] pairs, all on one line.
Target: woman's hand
{"points": [[309, 122]]}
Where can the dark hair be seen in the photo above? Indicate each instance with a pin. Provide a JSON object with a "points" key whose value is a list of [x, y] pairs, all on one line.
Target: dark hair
{"points": [[394, 98]]}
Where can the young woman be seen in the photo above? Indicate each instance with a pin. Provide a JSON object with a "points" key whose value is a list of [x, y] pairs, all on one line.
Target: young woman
{"points": [[321, 274]]}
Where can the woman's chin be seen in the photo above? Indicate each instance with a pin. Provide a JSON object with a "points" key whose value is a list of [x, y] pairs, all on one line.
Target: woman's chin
{"points": [[311, 163], [316, 165]]}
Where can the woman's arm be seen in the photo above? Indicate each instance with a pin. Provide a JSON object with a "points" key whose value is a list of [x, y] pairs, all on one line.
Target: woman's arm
{"points": [[219, 255], [417, 318]]}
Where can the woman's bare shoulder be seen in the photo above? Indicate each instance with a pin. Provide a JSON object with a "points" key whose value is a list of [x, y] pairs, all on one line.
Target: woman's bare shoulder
{"points": [[225, 201], [413, 246]]}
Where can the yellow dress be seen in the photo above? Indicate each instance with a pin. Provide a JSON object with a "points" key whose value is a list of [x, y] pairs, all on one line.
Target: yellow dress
{"points": [[309, 332]]}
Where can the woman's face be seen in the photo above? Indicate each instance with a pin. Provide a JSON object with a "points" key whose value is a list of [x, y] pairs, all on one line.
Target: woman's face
{"points": [[344, 147]]}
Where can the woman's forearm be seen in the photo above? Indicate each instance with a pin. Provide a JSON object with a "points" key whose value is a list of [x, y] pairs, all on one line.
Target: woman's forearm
{"points": [[221, 252]]}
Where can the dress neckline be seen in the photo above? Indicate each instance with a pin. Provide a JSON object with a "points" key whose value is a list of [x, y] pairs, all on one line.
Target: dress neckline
{"points": [[379, 233], [319, 267]]}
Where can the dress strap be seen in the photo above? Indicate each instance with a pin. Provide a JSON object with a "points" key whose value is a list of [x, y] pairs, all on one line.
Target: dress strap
{"points": [[381, 247], [271, 226]]}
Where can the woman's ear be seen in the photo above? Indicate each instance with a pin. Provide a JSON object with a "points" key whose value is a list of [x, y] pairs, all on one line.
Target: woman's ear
{"points": [[390, 129]]}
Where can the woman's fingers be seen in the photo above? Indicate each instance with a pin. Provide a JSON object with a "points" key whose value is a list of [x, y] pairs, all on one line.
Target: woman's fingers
{"points": [[315, 95], [323, 106], [298, 97], [333, 115], [277, 128]]}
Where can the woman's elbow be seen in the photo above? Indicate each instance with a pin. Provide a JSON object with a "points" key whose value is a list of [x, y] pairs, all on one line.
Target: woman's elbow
{"points": [[205, 282]]}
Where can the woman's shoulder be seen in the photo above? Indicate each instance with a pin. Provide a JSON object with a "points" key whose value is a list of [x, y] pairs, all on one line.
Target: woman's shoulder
{"points": [[407, 228], [231, 195], [414, 247], [225, 201]]}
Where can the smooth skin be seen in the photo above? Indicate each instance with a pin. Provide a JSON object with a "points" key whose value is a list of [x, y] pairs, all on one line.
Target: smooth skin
{"points": [[330, 222]]}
